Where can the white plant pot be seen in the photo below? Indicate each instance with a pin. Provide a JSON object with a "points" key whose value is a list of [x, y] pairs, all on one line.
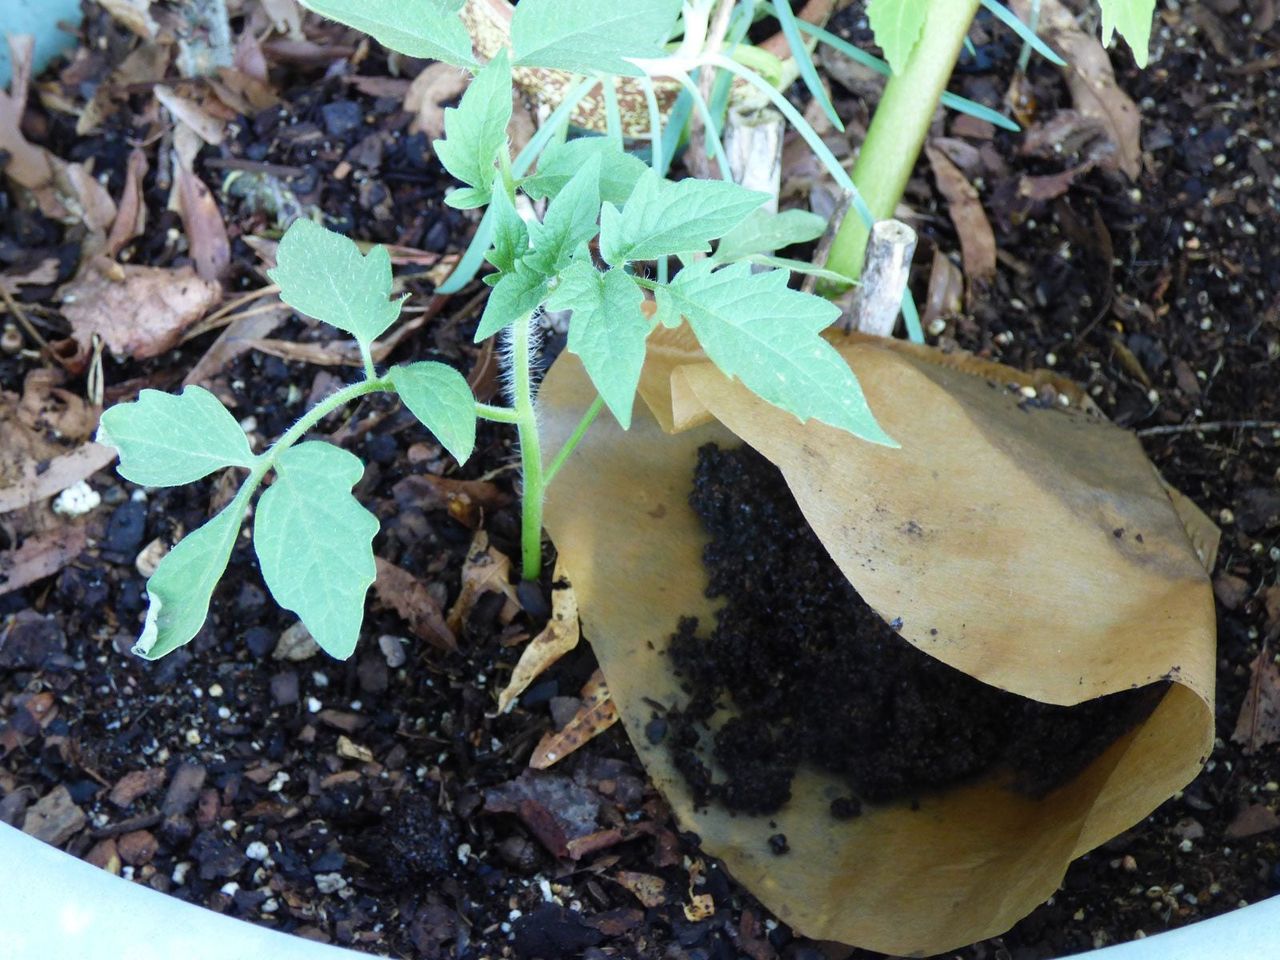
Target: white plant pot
{"points": [[54, 906]]}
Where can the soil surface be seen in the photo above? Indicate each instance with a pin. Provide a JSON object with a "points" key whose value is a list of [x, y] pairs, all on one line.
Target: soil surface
{"points": [[814, 675], [382, 802]]}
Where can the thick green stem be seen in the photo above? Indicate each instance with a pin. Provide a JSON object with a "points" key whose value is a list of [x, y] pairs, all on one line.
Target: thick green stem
{"points": [[530, 448], [900, 125]]}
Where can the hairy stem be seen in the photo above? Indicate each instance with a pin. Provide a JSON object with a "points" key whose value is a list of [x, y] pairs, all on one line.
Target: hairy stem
{"points": [[535, 485], [899, 127]]}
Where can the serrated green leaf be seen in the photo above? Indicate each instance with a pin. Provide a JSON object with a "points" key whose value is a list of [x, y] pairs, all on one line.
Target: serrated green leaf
{"points": [[429, 29], [180, 589], [516, 295], [897, 25], [607, 330], [323, 275], [1132, 20], [166, 439], [765, 232], [476, 130], [510, 234], [570, 221], [589, 36], [315, 543], [663, 218], [755, 328], [618, 171], [439, 396]]}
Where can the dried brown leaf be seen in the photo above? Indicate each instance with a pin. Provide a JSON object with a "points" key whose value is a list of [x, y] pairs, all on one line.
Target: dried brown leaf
{"points": [[1092, 83], [41, 557], [486, 570], [558, 811], [212, 130], [596, 715], [430, 90], [1259, 722], [977, 240], [205, 229], [141, 315], [42, 274], [557, 638], [134, 15], [131, 213], [946, 290], [408, 596], [1252, 820]]}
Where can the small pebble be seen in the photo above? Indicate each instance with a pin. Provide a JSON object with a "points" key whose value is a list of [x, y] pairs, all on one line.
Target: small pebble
{"points": [[257, 851]]}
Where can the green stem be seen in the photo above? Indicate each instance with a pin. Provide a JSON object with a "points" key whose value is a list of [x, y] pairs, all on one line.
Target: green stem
{"points": [[366, 355], [575, 438], [899, 127], [488, 411], [530, 448]]}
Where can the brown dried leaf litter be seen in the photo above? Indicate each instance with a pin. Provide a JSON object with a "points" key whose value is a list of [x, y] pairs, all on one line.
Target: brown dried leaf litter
{"points": [[992, 533]]}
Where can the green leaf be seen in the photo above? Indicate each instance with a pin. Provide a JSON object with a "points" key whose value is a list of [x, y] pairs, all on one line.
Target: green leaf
{"points": [[467, 198], [1132, 20], [570, 221], [765, 232], [315, 543], [516, 295], [897, 25], [618, 171], [754, 328], [589, 36], [476, 130], [323, 275], [167, 439], [663, 218], [439, 396], [510, 234], [428, 29], [180, 589], [607, 330]]}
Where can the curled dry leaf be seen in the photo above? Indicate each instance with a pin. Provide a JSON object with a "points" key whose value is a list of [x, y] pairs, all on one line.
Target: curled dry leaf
{"points": [[139, 311], [431, 89], [131, 213], [209, 128], [408, 596], [206, 232], [1259, 722], [558, 811], [1092, 83], [557, 638], [596, 715], [42, 274], [977, 240], [486, 570], [946, 290]]}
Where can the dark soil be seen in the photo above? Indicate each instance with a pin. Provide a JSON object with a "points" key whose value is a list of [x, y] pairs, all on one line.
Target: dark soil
{"points": [[245, 784], [815, 675]]}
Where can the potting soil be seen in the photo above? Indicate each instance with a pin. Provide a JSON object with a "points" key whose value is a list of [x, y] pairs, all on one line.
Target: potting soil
{"points": [[813, 675]]}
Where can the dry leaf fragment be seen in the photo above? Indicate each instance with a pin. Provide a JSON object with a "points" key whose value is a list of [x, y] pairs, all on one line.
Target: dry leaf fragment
{"points": [[285, 17], [977, 240], [42, 274], [141, 315], [557, 638], [408, 596], [558, 811], [206, 231], [209, 128], [430, 90], [1092, 83], [651, 891], [40, 557], [486, 570], [1259, 722], [596, 715], [946, 291], [134, 15], [1253, 819], [131, 212]]}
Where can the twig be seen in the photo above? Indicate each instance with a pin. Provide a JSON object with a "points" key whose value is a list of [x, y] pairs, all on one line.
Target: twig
{"points": [[19, 314], [877, 303], [1210, 426]]}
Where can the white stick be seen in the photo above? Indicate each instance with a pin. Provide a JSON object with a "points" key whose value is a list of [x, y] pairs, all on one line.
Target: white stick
{"points": [[878, 300]]}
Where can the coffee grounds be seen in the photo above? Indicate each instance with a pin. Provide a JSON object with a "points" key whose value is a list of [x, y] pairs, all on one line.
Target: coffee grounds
{"points": [[815, 676]]}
